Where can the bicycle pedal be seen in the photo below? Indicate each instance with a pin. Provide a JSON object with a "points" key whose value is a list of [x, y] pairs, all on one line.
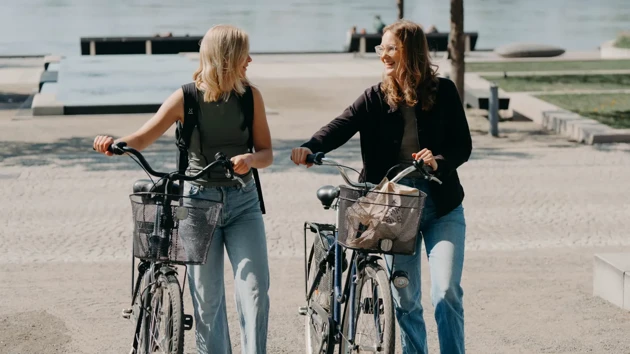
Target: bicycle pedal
{"points": [[303, 311], [126, 313], [188, 322]]}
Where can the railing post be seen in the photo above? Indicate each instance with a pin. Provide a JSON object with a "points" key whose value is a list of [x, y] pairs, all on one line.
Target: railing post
{"points": [[362, 45], [493, 110]]}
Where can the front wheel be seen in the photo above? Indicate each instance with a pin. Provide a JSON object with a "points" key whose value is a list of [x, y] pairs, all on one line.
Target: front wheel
{"points": [[374, 327], [162, 322]]}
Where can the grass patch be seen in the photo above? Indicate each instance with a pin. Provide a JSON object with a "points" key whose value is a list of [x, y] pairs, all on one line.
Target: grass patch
{"points": [[561, 82], [610, 109], [623, 41], [620, 64]]}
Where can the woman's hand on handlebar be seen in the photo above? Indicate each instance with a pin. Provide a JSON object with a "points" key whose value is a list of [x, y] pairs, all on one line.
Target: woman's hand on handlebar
{"points": [[427, 156], [242, 163], [102, 144], [298, 156]]}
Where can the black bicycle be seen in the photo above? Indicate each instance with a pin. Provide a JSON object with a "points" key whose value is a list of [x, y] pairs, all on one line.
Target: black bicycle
{"points": [[170, 230], [369, 222]]}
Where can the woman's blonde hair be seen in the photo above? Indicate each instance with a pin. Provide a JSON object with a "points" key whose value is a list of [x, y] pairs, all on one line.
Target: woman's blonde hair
{"points": [[415, 70], [223, 51]]}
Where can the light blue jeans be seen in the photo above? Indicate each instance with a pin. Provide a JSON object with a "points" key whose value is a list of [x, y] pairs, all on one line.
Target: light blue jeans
{"points": [[444, 242], [242, 231]]}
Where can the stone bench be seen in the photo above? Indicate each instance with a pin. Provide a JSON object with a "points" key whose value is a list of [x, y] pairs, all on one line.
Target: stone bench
{"points": [[477, 93], [437, 42]]}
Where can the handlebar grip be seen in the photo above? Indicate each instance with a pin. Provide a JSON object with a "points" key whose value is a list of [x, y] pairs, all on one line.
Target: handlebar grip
{"points": [[115, 148], [315, 158]]}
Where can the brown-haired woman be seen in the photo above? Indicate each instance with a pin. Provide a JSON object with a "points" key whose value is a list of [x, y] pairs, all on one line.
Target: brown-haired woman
{"points": [[412, 114]]}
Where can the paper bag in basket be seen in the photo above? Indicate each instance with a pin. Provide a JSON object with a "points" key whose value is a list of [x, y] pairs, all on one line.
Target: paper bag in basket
{"points": [[382, 214]]}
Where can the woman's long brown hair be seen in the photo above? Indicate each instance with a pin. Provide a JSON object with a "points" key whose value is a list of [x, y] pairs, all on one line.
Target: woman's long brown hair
{"points": [[415, 70]]}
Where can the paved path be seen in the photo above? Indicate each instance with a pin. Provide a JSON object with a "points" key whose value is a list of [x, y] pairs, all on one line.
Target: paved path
{"points": [[537, 209]]}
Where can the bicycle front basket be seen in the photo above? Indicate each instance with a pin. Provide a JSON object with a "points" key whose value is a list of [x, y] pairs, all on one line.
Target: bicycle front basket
{"points": [[193, 223], [379, 221]]}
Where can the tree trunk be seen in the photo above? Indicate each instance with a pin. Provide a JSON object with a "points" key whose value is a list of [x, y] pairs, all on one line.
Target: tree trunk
{"points": [[457, 45], [401, 8]]}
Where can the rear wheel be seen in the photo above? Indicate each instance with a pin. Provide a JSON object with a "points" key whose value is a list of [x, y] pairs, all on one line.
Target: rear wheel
{"points": [[374, 327], [316, 325]]}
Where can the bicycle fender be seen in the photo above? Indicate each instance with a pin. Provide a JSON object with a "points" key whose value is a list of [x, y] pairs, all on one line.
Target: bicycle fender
{"points": [[166, 271]]}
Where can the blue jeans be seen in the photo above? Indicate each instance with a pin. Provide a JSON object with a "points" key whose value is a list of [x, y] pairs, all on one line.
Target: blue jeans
{"points": [[242, 231], [444, 241]]}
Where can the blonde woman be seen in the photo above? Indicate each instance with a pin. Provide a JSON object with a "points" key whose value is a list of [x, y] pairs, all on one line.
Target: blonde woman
{"points": [[412, 114], [220, 82]]}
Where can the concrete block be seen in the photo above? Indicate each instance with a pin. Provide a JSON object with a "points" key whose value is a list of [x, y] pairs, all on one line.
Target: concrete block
{"points": [[46, 104], [566, 123], [50, 88], [53, 67], [610, 272], [49, 59], [609, 51], [626, 291], [48, 76]]}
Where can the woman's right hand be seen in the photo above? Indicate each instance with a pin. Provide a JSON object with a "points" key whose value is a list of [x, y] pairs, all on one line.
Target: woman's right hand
{"points": [[298, 156], [102, 142]]}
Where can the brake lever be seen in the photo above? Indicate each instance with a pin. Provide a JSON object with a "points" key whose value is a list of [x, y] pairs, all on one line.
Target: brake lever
{"points": [[424, 171], [229, 168]]}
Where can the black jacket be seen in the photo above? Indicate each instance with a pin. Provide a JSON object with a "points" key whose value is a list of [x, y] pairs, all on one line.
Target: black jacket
{"points": [[443, 130]]}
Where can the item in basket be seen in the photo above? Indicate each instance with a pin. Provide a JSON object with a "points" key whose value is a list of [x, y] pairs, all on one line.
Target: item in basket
{"points": [[181, 213], [381, 215]]}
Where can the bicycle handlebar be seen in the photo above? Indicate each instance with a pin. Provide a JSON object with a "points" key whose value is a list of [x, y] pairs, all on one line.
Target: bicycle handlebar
{"points": [[121, 148], [319, 158]]}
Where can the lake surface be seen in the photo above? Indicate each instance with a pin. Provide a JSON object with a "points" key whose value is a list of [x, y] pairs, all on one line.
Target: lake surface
{"points": [[55, 26]]}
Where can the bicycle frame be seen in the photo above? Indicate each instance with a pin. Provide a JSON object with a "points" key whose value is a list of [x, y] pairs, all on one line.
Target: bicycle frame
{"points": [[358, 260], [159, 240]]}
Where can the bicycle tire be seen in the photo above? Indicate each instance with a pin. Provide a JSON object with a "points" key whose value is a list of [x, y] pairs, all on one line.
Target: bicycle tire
{"points": [[316, 341], [170, 339], [376, 273]]}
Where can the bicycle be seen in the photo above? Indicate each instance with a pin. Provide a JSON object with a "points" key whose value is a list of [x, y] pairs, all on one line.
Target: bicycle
{"points": [[162, 241], [327, 261]]}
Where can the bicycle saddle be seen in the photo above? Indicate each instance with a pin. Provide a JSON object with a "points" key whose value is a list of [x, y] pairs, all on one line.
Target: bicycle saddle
{"points": [[327, 195], [145, 185]]}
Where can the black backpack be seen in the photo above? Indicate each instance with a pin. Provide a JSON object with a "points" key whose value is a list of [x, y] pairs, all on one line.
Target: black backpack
{"points": [[183, 132]]}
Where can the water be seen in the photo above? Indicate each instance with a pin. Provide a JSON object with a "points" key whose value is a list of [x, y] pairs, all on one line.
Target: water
{"points": [[55, 26]]}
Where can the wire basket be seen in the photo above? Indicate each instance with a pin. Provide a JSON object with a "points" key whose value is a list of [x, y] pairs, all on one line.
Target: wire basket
{"points": [[390, 227], [192, 226]]}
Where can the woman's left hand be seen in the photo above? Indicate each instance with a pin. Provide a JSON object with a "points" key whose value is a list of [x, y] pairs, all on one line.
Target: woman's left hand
{"points": [[427, 156], [242, 163]]}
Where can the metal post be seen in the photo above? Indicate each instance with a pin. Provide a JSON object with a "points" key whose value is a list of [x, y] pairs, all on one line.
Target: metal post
{"points": [[362, 45], [493, 110]]}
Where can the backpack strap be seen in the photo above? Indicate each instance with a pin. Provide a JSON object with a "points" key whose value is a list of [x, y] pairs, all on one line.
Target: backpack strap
{"points": [[247, 107], [183, 133]]}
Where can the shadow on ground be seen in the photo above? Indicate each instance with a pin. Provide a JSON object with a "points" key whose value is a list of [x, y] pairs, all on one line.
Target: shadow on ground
{"points": [[77, 151]]}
